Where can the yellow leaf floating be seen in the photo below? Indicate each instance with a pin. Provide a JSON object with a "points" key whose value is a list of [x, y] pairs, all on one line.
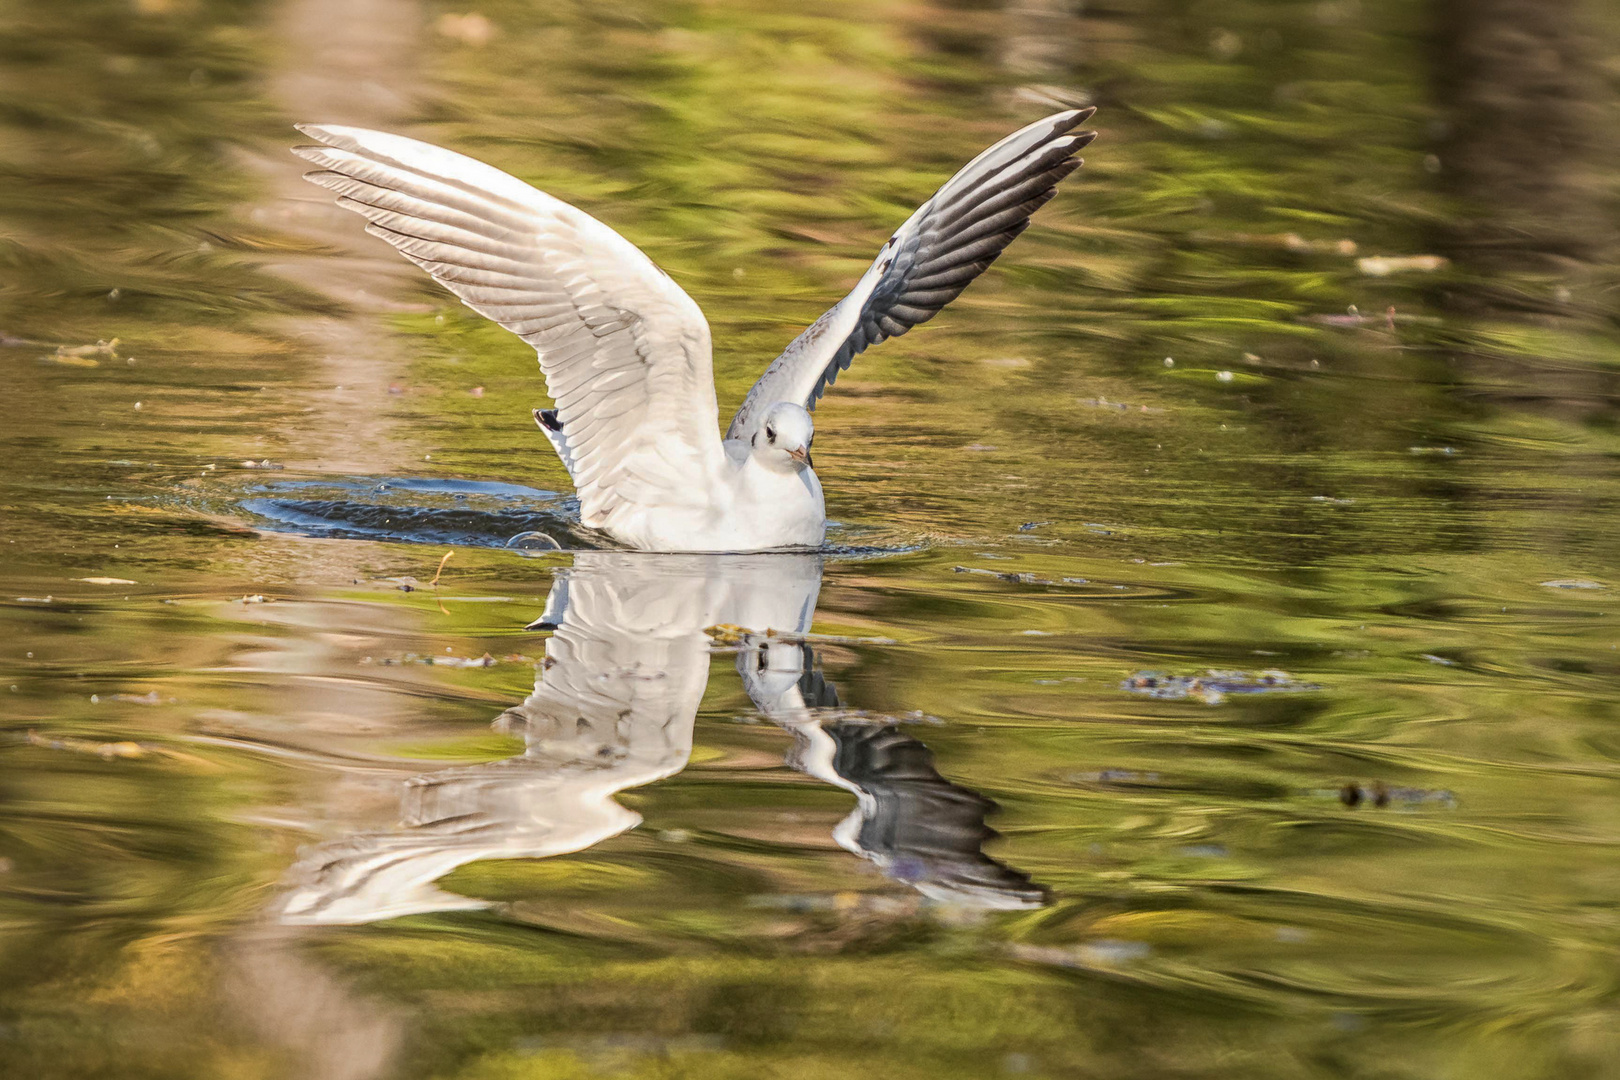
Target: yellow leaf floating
{"points": [[85, 355]]}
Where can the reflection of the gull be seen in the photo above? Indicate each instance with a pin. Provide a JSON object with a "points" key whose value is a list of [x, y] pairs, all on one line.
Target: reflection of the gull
{"points": [[613, 708]]}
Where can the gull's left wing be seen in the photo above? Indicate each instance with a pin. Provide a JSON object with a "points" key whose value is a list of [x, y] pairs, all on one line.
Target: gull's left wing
{"points": [[927, 263]]}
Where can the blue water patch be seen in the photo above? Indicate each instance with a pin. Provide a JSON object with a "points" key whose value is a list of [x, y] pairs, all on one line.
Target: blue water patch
{"points": [[413, 510]]}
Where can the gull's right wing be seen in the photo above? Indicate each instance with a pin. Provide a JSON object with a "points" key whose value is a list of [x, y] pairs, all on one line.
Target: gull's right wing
{"points": [[949, 241], [625, 351]]}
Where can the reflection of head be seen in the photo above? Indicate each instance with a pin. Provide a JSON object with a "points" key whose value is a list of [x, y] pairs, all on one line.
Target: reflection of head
{"points": [[782, 680]]}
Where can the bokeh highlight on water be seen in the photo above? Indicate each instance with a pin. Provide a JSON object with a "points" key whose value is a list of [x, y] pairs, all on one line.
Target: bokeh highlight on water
{"points": [[1212, 671]]}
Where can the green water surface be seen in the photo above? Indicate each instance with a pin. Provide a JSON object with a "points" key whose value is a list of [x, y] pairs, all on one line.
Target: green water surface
{"points": [[1308, 379]]}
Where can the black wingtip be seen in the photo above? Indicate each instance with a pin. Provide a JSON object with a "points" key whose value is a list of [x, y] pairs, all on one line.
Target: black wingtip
{"points": [[542, 624], [1068, 121], [548, 419]]}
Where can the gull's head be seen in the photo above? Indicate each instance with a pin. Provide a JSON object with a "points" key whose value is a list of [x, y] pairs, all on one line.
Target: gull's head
{"points": [[783, 440]]}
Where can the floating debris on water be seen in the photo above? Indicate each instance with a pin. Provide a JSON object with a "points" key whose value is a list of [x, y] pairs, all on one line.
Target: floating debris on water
{"points": [[105, 581], [1004, 575], [107, 750], [1023, 577], [1444, 451], [110, 751], [1104, 952], [487, 660], [730, 635], [1115, 778], [1388, 320], [1212, 687], [1384, 265], [846, 901], [1379, 794], [85, 355], [1573, 583], [1119, 406]]}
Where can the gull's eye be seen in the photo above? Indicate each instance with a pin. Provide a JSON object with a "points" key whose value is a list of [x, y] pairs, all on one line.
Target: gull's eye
{"points": [[770, 434]]}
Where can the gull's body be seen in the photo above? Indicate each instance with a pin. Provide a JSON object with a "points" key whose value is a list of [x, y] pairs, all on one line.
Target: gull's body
{"points": [[626, 353]]}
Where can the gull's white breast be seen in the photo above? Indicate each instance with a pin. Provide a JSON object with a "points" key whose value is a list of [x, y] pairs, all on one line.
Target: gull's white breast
{"points": [[751, 508]]}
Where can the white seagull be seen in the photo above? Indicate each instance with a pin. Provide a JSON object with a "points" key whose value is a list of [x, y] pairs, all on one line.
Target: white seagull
{"points": [[626, 352]]}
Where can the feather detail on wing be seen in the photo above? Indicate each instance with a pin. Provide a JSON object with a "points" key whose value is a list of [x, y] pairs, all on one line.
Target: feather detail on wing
{"points": [[949, 241], [625, 351]]}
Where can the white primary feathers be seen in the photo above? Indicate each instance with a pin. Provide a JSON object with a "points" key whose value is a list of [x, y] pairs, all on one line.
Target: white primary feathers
{"points": [[626, 353]]}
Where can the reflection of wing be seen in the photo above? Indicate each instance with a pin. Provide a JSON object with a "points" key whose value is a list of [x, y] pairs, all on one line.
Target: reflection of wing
{"points": [[949, 241], [624, 350], [918, 826], [911, 822], [612, 708]]}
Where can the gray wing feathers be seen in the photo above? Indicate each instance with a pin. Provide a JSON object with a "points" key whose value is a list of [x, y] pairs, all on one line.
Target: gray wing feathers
{"points": [[929, 260], [625, 352]]}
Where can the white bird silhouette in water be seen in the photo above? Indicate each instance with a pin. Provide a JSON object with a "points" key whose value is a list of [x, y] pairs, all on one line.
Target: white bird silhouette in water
{"points": [[626, 352]]}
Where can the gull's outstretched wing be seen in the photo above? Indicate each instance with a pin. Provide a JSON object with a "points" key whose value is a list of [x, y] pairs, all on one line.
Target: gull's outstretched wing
{"points": [[625, 351], [929, 260]]}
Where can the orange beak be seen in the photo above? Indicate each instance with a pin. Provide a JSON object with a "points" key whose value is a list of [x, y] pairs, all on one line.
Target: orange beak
{"points": [[802, 456]]}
